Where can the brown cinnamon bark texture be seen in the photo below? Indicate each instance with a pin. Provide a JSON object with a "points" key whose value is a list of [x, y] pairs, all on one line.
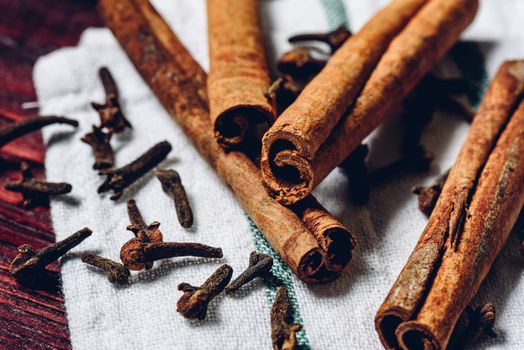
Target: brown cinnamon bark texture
{"points": [[472, 219], [159, 56], [305, 125], [238, 76], [290, 173]]}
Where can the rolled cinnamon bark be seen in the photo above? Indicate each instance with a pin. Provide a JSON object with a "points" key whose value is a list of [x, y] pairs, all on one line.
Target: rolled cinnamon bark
{"points": [[305, 125], [238, 76], [472, 219], [290, 174], [159, 56]]}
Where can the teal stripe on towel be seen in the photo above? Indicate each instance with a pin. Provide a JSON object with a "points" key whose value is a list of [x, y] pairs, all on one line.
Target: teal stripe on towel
{"points": [[335, 13], [336, 17]]}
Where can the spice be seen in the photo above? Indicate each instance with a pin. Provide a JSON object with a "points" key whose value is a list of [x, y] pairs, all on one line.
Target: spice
{"points": [[334, 38], [259, 266], [137, 255], [299, 64], [119, 179], [185, 100], [429, 95], [12, 131], [171, 184], [428, 196], [481, 322], [306, 124], [102, 150], [237, 86], [302, 148], [356, 171], [147, 233], [116, 273], [194, 302], [30, 264], [36, 191], [111, 116], [283, 92], [283, 332], [472, 219]]}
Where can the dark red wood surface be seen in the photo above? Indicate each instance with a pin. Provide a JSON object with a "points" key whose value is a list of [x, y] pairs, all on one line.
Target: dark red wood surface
{"points": [[29, 29]]}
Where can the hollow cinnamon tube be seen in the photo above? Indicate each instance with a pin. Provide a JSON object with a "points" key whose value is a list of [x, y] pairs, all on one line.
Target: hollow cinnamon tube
{"points": [[477, 193], [159, 56], [306, 124], [290, 176], [238, 76]]}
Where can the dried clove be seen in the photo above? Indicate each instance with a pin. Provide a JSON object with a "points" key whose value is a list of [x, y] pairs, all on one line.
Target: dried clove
{"points": [[119, 179], [116, 272], [137, 255], [259, 266], [356, 171], [30, 264], [428, 196], [172, 184], [283, 92], [12, 131], [102, 150], [111, 116], [147, 233], [481, 322], [195, 300], [299, 64], [334, 38], [36, 191], [430, 94], [283, 332]]}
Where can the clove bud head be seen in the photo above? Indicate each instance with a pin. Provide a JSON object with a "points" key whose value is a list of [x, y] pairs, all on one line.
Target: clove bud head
{"points": [[194, 302]]}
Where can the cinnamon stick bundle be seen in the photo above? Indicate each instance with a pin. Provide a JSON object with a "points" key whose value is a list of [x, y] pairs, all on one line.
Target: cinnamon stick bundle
{"points": [[472, 219], [239, 75], [291, 171], [305, 125], [158, 55]]}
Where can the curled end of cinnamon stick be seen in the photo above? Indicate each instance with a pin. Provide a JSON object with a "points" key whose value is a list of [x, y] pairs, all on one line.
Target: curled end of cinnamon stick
{"points": [[387, 322], [287, 172], [232, 125], [312, 268], [414, 335], [336, 241]]}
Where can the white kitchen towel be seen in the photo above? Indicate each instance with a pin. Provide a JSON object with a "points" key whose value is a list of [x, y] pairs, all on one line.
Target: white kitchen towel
{"points": [[338, 315]]}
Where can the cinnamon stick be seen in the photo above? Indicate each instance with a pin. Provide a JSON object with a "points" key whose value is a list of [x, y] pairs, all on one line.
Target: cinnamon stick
{"points": [[137, 25], [292, 168], [239, 75], [472, 219]]}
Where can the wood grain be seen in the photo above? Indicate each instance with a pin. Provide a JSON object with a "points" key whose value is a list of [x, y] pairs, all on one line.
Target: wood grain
{"points": [[29, 29]]}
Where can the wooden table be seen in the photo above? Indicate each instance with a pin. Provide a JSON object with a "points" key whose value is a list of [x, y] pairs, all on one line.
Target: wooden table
{"points": [[29, 29]]}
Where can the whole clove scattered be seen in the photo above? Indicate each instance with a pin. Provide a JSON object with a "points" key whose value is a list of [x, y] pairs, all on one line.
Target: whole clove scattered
{"points": [[283, 332], [137, 255], [111, 116], [116, 273], [146, 233], [30, 264], [194, 302], [299, 64], [119, 179], [356, 171], [259, 266], [12, 131], [172, 185], [36, 191], [102, 150], [334, 38], [283, 92], [428, 196], [481, 322]]}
